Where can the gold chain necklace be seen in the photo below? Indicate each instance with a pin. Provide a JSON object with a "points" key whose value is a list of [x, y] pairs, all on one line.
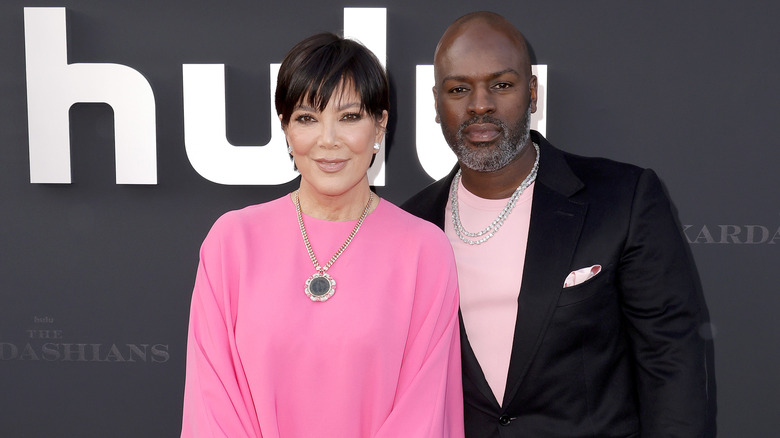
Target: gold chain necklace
{"points": [[321, 286]]}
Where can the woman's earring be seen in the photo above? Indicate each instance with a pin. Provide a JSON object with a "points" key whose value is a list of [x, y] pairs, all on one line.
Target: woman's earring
{"points": [[289, 149], [376, 147]]}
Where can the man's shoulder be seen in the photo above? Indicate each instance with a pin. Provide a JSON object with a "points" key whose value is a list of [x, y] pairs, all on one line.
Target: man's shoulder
{"points": [[609, 185], [599, 167], [596, 174], [592, 179], [430, 201], [424, 196]]}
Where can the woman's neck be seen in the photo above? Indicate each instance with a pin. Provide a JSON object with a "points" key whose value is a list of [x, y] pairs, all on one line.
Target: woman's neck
{"points": [[343, 207]]}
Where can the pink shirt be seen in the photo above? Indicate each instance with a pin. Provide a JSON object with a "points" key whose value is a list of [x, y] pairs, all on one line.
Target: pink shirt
{"points": [[490, 275], [380, 358]]}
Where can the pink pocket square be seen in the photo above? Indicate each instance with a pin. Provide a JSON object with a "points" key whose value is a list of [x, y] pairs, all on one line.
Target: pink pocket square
{"points": [[581, 275]]}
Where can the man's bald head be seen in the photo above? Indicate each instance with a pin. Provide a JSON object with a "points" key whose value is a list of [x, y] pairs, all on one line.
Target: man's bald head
{"points": [[475, 25], [485, 94]]}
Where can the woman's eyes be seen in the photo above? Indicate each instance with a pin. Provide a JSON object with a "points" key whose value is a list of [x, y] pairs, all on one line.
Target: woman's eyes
{"points": [[304, 118], [348, 117]]}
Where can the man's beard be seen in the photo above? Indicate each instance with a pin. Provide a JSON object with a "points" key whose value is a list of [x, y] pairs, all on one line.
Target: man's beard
{"points": [[483, 157]]}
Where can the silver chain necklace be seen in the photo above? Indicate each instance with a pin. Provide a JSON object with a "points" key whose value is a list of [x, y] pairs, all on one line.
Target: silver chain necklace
{"points": [[321, 286], [492, 229]]}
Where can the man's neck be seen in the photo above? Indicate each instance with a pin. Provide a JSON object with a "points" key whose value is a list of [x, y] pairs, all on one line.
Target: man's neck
{"points": [[503, 182]]}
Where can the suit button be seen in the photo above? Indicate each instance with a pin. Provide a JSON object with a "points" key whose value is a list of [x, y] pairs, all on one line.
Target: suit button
{"points": [[504, 420]]}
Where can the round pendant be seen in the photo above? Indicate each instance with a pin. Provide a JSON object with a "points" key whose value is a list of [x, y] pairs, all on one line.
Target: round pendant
{"points": [[320, 286]]}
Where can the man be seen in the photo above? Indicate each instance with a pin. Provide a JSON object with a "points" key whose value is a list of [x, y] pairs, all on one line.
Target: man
{"points": [[580, 305]]}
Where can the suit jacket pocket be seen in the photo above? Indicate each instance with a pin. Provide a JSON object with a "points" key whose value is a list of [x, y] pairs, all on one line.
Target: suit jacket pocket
{"points": [[593, 286]]}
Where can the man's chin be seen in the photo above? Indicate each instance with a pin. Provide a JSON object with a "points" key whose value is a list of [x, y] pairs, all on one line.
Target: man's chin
{"points": [[479, 163], [481, 144], [484, 159]]}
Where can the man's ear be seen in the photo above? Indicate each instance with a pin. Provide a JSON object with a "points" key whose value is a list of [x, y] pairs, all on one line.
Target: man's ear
{"points": [[436, 104], [533, 88]]}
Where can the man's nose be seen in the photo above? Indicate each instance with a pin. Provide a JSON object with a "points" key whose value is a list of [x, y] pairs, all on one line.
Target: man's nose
{"points": [[481, 101]]}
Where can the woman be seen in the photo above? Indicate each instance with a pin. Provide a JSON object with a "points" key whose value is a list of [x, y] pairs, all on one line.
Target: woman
{"points": [[327, 312]]}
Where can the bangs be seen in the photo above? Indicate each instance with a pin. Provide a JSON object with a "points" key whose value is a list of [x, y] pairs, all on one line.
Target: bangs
{"points": [[319, 95], [324, 65]]}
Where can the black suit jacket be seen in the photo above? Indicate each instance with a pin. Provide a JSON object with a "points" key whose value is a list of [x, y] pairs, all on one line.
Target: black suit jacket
{"points": [[619, 355]]}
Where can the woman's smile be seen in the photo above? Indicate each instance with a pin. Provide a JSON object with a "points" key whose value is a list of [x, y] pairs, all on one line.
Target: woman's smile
{"points": [[331, 165]]}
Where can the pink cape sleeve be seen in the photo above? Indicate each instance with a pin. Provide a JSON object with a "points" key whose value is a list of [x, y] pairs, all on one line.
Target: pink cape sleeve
{"points": [[429, 399], [217, 400]]}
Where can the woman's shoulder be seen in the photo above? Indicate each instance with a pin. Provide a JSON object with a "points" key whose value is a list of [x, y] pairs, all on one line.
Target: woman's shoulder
{"points": [[234, 221], [394, 214], [399, 222]]}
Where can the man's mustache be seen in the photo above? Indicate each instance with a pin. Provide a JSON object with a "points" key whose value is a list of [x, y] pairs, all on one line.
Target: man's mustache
{"points": [[481, 120]]}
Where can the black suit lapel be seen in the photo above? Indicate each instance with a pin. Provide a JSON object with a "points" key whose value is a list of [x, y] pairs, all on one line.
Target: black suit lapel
{"points": [[553, 233], [556, 223], [473, 371]]}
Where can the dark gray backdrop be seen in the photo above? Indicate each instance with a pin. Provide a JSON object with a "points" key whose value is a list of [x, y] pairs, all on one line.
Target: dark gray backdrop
{"points": [[687, 88]]}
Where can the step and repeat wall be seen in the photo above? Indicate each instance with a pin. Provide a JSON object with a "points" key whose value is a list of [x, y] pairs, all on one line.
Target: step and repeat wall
{"points": [[128, 127]]}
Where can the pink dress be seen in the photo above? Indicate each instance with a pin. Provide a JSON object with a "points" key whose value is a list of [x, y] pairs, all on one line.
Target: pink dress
{"points": [[380, 358]]}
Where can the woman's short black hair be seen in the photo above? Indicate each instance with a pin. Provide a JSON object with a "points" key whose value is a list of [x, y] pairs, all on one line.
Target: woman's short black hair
{"points": [[317, 66]]}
